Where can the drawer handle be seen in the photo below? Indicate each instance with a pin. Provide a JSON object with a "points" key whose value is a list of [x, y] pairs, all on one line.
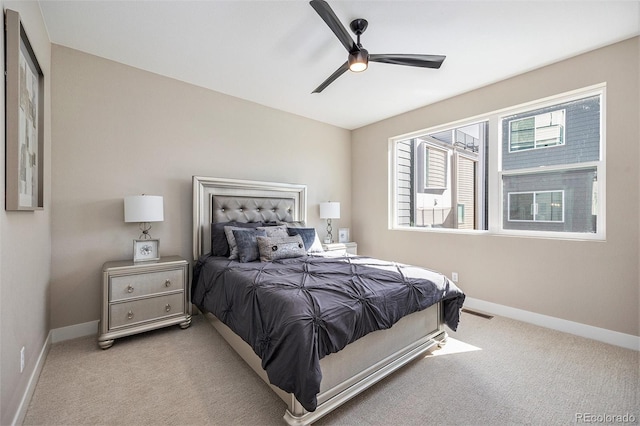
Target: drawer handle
{"points": [[167, 308], [130, 315], [167, 283], [130, 289]]}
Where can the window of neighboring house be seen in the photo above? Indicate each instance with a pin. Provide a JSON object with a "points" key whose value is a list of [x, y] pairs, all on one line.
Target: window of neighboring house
{"points": [[545, 206], [493, 173], [538, 131], [435, 167]]}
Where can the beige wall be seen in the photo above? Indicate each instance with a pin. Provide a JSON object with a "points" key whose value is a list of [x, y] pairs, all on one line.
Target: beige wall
{"points": [[594, 283], [25, 248], [122, 131]]}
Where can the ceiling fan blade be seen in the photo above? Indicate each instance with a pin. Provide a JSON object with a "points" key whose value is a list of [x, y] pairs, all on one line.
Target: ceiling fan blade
{"points": [[425, 61], [330, 18], [337, 73]]}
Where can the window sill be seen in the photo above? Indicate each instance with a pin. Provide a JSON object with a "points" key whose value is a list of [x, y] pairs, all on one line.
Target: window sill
{"points": [[510, 234]]}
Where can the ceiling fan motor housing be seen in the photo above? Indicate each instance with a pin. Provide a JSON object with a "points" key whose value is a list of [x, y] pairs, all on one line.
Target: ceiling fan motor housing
{"points": [[359, 57]]}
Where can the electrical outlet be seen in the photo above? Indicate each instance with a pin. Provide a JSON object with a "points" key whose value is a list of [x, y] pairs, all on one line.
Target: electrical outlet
{"points": [[22, 359], [454, 277]]}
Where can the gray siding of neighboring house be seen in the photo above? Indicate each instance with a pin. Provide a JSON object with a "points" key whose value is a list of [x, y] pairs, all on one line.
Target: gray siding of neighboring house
{"points": [[581, 142], [577, 186], [404, 152]]}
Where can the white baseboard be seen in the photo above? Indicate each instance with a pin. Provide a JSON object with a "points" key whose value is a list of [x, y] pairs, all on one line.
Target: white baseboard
{"points": [[21, 412], [56, 335], [74, 331], [628, 341]]}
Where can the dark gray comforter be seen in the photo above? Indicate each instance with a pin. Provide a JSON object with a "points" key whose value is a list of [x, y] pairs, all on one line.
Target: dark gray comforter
{"points": [[295, 311]]}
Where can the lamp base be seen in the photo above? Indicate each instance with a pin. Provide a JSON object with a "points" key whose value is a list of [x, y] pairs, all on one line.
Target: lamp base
{"points": [[329, 238], [145, 227]]}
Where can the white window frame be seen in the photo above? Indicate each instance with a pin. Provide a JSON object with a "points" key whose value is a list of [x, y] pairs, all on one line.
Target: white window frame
{"points": [[495, 174]]}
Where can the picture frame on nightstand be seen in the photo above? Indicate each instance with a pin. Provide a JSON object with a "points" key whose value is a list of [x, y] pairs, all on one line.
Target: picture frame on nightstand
{"points": [[343, 235], [146, 250]]}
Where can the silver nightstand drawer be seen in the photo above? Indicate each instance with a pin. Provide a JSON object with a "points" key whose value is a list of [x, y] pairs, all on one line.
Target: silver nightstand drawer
{"points": [[137, 311], [136, 285]]}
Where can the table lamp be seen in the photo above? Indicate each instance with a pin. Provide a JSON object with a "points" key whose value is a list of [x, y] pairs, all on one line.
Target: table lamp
{"points": [[144, 209], [329, 210]]}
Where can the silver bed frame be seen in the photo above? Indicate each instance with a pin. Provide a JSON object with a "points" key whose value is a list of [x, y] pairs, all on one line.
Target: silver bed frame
{"points": [[346, 373]]}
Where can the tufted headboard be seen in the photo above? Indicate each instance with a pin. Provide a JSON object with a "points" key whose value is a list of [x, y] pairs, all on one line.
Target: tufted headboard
{"points": [[222, 200]]}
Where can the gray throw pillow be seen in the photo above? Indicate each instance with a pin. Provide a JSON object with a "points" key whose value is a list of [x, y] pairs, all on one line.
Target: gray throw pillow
{"points": [[219, 243], [275, 231], [231, 239], [280, 248], [308, 235], [316, 247], [247, 243], [295, 224]]}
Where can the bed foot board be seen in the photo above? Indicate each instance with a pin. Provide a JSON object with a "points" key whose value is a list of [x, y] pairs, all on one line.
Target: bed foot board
{"points": [[307, 418]]}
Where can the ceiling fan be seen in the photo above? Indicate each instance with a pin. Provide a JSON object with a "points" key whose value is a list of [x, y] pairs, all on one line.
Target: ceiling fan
{"points": [[359, 57]]}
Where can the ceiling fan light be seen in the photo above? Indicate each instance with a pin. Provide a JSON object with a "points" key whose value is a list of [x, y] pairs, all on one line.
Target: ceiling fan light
{"points": [[359, 61]]}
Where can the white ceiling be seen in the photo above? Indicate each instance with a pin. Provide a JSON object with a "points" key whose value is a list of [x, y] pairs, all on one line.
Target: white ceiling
{"points": [[276, 52]]}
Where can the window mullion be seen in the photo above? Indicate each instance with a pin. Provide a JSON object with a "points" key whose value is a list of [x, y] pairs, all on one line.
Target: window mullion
{"points": [[494, 175]]}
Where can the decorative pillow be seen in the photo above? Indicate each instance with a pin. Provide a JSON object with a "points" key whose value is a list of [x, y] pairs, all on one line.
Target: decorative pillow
{"points": [[219, 243], [316, 247], [248, 244], [231, 240], [308, 235], [275, 230], [298, 224], [280, 247]]}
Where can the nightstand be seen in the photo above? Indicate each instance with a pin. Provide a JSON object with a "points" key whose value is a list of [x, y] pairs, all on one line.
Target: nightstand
{"points": [[341, 248], [143, 296]]}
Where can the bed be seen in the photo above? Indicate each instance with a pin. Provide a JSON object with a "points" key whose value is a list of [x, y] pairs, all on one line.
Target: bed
{"points": [[339, 366]]}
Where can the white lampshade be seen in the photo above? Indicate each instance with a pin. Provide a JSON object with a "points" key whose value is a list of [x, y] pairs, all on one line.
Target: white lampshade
{"points": [[143, 208], [330, 210]]}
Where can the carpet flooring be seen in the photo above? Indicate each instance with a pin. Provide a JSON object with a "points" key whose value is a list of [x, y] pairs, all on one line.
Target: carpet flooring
{"points": [[492, 372]]}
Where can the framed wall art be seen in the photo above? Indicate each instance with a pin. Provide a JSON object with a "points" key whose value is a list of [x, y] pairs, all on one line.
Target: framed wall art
{"points": [[24, 119]]}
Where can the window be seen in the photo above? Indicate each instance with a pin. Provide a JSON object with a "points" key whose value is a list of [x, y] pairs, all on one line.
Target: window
{"points": [[546, 206], [539, 131], [527, 170], [440, 181], [435, 168]]}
